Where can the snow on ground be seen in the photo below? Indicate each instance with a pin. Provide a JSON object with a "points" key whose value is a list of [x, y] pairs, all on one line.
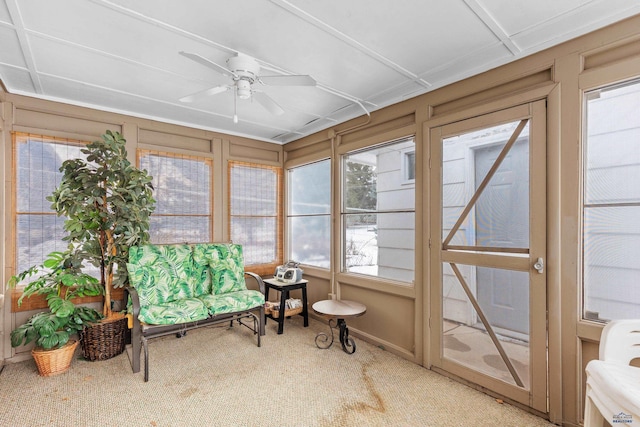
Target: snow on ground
{"points": [[362, 250]]}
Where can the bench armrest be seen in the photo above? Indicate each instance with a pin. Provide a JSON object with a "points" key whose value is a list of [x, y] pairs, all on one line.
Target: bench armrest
{"points": [[257, 279], [135, 300], [136, 332]]}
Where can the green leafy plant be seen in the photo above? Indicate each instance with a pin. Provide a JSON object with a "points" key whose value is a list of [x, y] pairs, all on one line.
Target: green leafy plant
{"points": [[107, 202], [58, 279]]}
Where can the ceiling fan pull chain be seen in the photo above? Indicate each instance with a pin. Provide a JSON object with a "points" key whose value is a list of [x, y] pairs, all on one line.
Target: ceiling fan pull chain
{"points": [[235, 104]]}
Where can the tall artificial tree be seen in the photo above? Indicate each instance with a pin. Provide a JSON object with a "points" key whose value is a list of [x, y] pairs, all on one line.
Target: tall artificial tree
{"points": [[107, 202]]}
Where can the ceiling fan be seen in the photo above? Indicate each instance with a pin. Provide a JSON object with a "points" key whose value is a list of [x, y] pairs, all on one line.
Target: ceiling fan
{"points": [[244, 71]]}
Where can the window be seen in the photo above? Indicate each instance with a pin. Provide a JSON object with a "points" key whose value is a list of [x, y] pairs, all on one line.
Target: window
{"points": [[255, 216], [39, 230], [409, 165], [611, 203], [378, 212], [309, 214], [183, 190]]}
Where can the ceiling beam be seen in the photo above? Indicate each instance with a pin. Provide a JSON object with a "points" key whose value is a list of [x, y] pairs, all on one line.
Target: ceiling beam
{"points": [[494, 26]]}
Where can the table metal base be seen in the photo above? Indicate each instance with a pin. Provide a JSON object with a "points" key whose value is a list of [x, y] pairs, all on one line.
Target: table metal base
{"points": [[348, 344]]}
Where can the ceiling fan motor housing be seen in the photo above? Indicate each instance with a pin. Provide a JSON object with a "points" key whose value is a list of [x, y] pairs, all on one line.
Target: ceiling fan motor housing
{"points": [[245, 70]]}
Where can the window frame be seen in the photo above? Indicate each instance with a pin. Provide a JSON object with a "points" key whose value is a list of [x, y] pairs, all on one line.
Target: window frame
{"points": [[584, 314], [36, 302], [404, 167], [267, 268], [342, 210]]}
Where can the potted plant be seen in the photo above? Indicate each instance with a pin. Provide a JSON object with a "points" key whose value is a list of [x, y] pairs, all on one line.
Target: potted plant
{"points": [[58, 279], [107, 203]]}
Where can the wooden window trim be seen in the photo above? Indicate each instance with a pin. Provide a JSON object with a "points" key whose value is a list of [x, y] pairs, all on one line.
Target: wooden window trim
{"points": [[38, 302]]}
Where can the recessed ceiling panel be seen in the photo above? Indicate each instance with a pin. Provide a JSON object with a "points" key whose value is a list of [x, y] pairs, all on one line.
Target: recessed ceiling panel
{"points": [[11, 49], [119, 35], [417, 35], [128, 104], [517, 16], [18, 79], [481, 60], [576, 23], [299, 98], [399, 93], [77, 64]]}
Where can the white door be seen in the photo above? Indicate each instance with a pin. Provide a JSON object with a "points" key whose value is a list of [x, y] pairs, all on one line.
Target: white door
{"points": [[488, 240], [502, 214]]}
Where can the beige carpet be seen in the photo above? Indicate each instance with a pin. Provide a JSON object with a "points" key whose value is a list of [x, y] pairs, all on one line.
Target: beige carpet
{"points": [[217, 376]]}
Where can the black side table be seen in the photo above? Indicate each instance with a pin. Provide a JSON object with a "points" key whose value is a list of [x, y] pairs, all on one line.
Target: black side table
{"points": [[284, 289]]}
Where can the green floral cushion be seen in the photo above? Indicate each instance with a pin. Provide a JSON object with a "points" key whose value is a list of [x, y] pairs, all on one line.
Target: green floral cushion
{"points": [[182, 311], [184, 283], [226, 265], [143, 279], [233, 301], [165, 273]]}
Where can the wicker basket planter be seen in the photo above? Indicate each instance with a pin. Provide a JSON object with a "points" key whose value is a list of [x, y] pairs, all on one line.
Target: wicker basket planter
{"points": [[56, 361], [104, 340]]}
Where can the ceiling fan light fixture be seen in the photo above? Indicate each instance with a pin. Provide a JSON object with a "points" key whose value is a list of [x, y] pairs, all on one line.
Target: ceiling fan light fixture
{"points": [[244, 89]]}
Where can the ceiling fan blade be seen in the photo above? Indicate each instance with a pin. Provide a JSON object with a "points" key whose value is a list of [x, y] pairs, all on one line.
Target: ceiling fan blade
{"points": [[208, 63], [211, 91], [293, 80], [267, 102]]}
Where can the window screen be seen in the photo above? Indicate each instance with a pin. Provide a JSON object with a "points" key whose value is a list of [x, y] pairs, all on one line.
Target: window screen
{"points": [[182, 189], [39, 231], [255, 215]]}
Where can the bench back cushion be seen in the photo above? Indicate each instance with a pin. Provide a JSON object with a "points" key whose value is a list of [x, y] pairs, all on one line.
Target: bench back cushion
{"points": [[166, 273], [225, 263]]}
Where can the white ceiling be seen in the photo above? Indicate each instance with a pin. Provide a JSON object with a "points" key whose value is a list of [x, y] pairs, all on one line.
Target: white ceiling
{"points": [[122, 55]]}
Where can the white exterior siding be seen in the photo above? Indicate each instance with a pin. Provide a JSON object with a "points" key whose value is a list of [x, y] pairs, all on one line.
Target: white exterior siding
{"points": [[612, 233], [455, 190], [396, 231]]}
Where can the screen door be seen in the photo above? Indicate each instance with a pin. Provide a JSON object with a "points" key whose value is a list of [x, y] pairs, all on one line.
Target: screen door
{"points": [[488, 252]]}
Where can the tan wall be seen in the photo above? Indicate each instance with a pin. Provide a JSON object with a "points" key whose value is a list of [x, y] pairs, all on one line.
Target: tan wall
{"points": [[398, 315]]}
